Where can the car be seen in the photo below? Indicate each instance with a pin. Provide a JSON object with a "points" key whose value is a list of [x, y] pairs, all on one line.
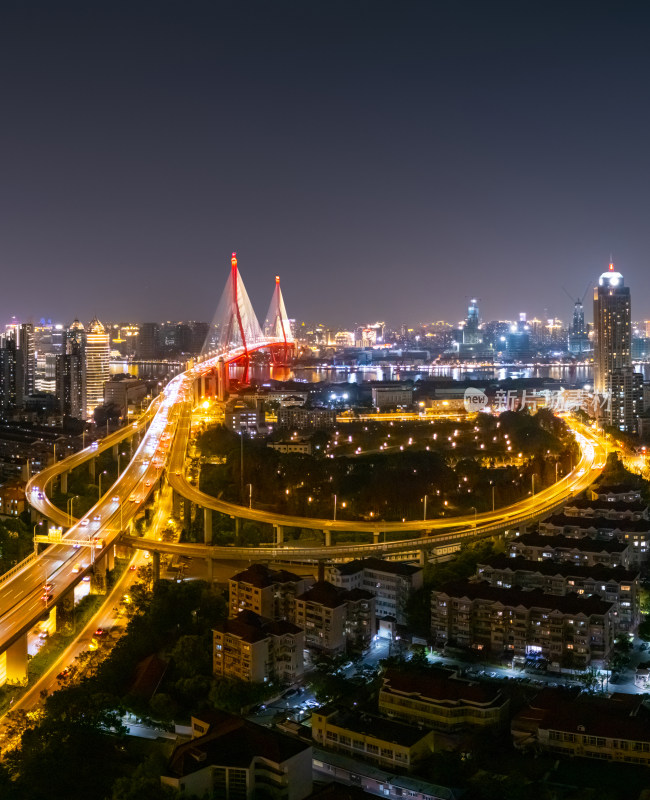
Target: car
{"points": [[47, 586], [77, 568], [135, 425], [84, 522], [290, 693], [97, 518], [86, 579], [65, 673], [147, 484], [116, 499], [100, 632], [94, 445], [132, 498], [133, 567]]}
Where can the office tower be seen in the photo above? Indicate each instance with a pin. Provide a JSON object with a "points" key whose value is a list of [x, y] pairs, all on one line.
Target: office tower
{"points": [[71, 373], [26, 345], [471, 332], [148, 341], [98, 352], [613, 373], [12, 378]]}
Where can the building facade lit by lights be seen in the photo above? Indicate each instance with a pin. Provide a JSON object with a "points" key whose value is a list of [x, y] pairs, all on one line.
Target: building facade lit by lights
{"points": [[98, 351], [71, 373], [614, 378]]}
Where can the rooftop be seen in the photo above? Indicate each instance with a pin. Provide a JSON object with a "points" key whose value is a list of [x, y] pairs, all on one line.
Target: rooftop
{"points": [[586, 544], [562, 569], [599, 523], [513, 598], [381, 728], [251, 627], [442, 686], [234, 742], [379, 565], [260, 576]]}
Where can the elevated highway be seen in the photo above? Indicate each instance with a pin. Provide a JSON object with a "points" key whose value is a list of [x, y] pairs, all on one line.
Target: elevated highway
{"points": [[436, 531]]}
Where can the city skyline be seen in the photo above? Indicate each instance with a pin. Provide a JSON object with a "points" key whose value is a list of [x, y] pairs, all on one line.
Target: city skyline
{"points": [[348, 148]]}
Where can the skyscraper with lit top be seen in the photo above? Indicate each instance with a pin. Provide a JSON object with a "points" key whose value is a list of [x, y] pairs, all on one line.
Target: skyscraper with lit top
{"points": [[613, 372]]}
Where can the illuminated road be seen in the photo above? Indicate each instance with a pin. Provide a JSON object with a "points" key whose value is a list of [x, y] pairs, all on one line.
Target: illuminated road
{"points": [[592, 461], [62, 565], [22, 598]]}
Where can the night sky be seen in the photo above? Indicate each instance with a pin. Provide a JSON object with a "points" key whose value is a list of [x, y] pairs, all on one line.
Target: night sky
{"points": [[388, 160]]}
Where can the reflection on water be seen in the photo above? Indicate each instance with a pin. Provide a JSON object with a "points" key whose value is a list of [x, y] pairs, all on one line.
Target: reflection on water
{"points": [[570, 374]]}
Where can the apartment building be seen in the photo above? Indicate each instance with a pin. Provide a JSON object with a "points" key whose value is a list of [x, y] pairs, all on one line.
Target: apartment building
{"points": [[585, 551], [256, 650], [615, 492], [267, 592], [335, 619], [611, 509], [569, 631], [233, 759], [616, 585], [391, 583], [442, 701], [635, 533], [613, 728], [386, 743]]}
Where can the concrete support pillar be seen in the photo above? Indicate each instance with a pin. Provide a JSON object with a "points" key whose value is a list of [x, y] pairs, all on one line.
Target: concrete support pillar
{"points": [[279, 534], [64, 483], [209, 562], [376, 536], [176, 503], [207, 526], [16, 661], [523, 528], [224, 379], [50, 624], [422, 557], [195, 388], [202, 385], [155, 565], [187, 512], [116, 451], [212, 384], [91, 468], [328, 538], [110, 558], [237, 526]]}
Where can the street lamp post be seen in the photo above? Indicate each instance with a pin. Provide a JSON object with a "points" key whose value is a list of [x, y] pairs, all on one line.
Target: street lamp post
{"points": [[100, 483], [493, 488], [533, 481], [425, 508], [40, 522], [70, 504], [473, 508], [334, 508], [250, 495]]}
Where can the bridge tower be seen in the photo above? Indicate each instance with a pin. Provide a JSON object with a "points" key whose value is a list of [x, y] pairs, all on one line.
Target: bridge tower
{"points": [[277, 325]]}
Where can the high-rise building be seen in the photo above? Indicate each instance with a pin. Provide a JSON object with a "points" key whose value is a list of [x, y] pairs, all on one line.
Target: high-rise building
{"points": [[471, 332], [613, 372], [148, 341], [71, 373], [11, 374], [26, 345], [98, 352]]}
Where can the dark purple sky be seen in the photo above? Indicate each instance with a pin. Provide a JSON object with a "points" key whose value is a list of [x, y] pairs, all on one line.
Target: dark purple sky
{"points": [[386, 159]]}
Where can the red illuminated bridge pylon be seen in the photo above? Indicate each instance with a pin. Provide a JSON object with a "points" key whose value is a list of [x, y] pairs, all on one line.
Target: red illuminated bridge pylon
{"points": [[235, 331], [277, 325]]}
